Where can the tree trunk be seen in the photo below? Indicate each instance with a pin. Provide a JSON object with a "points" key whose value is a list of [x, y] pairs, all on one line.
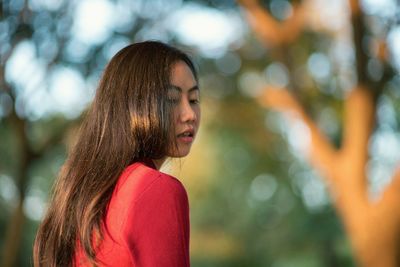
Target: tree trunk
{"points": [[13, 236]]}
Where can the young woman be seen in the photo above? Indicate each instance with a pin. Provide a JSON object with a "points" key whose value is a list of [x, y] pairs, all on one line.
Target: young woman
{"points": [[111, 206]]}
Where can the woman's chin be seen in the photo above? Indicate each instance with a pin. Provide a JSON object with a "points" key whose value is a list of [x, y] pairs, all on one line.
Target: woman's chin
{"points": [[181, 153]]}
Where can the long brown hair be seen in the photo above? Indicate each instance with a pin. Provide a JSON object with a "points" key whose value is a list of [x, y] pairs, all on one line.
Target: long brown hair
{"points": [[129, 120]]}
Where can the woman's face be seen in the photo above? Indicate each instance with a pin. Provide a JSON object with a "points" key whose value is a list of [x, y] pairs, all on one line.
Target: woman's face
{"points": [[184, 95]]}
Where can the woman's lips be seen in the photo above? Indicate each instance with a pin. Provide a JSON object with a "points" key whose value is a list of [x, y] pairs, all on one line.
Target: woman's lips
{"points": [[186, 136], [185, 139]]}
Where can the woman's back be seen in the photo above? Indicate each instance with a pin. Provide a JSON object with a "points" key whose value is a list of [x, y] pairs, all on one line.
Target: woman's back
{"points": [[147, 221]]}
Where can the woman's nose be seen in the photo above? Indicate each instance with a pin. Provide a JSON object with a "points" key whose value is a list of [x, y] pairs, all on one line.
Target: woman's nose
{"points": [[187, 113]]}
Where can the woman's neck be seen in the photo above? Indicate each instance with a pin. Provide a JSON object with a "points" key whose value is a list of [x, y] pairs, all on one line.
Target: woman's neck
{"points": [[158, 163]]}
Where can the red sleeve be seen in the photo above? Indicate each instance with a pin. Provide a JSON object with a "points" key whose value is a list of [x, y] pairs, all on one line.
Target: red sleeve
{"points": [[157, 228]]}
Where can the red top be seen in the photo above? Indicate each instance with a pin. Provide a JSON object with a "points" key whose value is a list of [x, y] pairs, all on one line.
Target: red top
{"points": [[147, 220]]}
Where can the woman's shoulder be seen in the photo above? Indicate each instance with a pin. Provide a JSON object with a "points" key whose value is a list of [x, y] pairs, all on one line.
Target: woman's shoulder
{"points": [[141, 180], [142, 188]]}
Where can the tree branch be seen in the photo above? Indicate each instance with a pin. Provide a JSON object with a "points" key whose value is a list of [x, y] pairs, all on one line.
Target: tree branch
{"points": [[391, 195], [271, 32], [358, 35], [322, 153], [358, 125]]}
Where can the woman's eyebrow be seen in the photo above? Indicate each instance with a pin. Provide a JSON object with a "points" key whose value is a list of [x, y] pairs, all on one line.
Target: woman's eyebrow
{"points": [[196, 87]]}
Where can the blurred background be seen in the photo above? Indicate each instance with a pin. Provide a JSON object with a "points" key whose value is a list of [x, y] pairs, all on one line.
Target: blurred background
{"points": [[255, 198]]}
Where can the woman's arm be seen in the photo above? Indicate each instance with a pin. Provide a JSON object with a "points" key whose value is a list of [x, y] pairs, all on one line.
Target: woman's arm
{"points": [[157, 228]]}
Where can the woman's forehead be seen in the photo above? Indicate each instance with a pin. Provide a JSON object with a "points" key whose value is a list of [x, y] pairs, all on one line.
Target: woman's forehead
{"points": [[181, 74]]}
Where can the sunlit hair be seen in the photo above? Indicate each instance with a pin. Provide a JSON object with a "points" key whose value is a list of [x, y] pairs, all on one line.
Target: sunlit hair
{"points": [[129, 120]]}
